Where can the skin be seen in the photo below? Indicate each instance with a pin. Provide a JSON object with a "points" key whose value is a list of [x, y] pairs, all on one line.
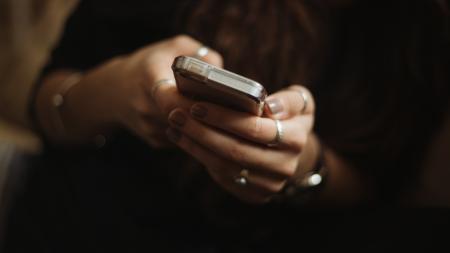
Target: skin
{"points": [[119, 94], [226, 141]]}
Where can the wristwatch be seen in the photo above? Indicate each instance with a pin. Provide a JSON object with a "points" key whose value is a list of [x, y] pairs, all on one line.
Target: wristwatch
{"points": [[302, 190]]}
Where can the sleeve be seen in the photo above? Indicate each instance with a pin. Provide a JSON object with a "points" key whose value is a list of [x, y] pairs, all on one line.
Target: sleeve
{"points": [[72, 52], [75, 50], [26, 41]]}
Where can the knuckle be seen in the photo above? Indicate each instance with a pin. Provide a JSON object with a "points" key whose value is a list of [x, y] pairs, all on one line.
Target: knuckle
{"points": [[263, 164], [307, 92], [235, 153], [303, 138], [150, 71], [165, 104], [215, 58], [148, 67], [180, 40], [254, 129], [166, 107], [299, 143], [141, 108], [295, 87], [275, 187], [289, 168]]}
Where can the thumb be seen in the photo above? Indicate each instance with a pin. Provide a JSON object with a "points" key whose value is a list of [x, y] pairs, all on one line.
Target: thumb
{"points": [[290, 102]]}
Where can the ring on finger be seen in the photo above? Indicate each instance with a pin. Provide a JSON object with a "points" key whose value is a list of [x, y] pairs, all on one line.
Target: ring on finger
{"points": [[279, 134], [305, 101], [160, 82], [201, 52], [242, 179]]}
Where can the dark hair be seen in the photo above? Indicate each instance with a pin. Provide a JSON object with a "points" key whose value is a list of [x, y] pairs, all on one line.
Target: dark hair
{"points": [[258, 38], [385, 90], [378, 69]]}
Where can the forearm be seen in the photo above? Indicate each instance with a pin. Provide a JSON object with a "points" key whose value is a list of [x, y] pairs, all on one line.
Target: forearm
{"points": [[343, 184], [25, 44]]}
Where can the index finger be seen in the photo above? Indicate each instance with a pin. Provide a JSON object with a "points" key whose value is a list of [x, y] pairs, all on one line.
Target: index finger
{"points": [[185, 45], [168, 98], [287, 103], [161, 81], [168, 50]]}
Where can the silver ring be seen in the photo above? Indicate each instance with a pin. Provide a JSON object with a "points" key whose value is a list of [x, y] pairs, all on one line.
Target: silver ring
{"points": [[305, 101], [158, 84], [279, 135], [242, 179], [202, 52]]}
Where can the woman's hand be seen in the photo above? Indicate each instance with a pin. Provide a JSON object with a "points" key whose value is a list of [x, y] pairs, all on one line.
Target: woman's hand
{"points": [[144, 108], [227, 142], [121, 91]]}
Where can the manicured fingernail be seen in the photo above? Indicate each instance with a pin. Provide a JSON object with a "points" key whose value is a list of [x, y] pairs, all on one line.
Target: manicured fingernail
{"points": [[274, 105], [177, 118], [199, 111], [173, 134]]}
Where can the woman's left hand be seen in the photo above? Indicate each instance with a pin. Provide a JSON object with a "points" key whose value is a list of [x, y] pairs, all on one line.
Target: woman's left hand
{"points": [[233, 146]]}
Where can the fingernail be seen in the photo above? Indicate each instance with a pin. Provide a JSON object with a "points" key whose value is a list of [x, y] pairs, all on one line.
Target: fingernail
{"points": [[199, 111], [173, 135], [274, 105], [177, 118]]}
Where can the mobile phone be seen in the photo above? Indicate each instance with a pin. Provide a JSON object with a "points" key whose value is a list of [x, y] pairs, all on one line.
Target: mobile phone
{"points": [[202, 81]]}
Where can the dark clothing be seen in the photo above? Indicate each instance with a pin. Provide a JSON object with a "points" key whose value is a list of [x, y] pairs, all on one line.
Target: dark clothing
{"points": [[128, 197], [125, 196]]}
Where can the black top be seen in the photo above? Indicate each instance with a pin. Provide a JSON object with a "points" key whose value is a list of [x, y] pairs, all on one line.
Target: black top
{"points": [[127, 196]]}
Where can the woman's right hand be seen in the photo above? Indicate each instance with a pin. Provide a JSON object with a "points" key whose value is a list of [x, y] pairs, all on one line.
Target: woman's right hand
{"points": [[121, 91]]}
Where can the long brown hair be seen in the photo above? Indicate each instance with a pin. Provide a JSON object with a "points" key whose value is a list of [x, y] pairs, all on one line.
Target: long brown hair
{"points": [[378, 69], [258, 38]]}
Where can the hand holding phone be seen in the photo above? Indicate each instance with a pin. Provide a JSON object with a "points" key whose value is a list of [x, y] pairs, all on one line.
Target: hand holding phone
{"points": [[202, 81]]}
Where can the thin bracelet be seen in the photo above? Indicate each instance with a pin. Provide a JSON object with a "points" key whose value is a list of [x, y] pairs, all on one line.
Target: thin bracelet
{"points": [[58, 101]]}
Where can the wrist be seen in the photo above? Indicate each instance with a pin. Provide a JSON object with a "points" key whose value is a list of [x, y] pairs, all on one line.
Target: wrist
{"points": [[89, 112], [310, 175], [308, 159], [66, 111], [46, 113]]}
